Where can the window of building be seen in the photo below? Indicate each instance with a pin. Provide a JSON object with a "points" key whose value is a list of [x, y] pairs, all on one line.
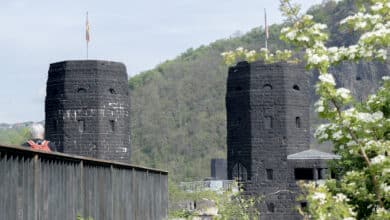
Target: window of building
{"points": [[112, 126], [267, 87], [298, 122], [271, 207], [81, 90], [303, 205], [268, 122], [296, 87], [81, 125], [358, 78], [270, 174], [303, 174]]}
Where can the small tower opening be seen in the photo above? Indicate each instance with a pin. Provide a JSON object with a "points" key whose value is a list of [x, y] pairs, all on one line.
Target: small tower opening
{"points": [[112, 91], [297, 122], [267, 87], [303, 174], [81, 125], [296, 87], [81, 90], [112, 126], [270, 174]]}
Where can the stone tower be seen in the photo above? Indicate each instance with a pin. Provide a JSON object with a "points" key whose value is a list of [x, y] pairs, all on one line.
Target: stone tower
{"points": [[88, 109], [267, 119]]}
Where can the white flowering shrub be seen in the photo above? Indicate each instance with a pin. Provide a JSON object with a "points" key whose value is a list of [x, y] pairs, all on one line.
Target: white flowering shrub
{"points": [[360, 132], [240, 54]]}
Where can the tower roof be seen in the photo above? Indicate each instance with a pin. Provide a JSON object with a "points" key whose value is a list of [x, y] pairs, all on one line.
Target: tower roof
{"points": [[312, 154]]}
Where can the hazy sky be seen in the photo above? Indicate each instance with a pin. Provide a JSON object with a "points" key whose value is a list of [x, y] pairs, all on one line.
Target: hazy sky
{"points": [[140, 34]]}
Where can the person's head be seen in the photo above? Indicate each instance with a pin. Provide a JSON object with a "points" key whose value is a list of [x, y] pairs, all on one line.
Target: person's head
{"points": [[37, 131]]}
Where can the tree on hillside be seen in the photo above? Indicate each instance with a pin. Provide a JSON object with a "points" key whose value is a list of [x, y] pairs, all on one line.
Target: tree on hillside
{"points": [[359, 131]]}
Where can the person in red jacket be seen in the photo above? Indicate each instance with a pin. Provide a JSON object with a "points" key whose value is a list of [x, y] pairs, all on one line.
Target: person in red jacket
{"points": [[37, 140]]}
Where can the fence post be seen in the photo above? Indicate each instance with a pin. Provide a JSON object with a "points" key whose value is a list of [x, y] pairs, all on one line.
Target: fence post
{"points": [[82, 193], [112, 190], [36, 187]]}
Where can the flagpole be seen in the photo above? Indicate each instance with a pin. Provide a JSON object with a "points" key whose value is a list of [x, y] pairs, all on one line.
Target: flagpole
{"points": [[87, 33], [265, 29]]}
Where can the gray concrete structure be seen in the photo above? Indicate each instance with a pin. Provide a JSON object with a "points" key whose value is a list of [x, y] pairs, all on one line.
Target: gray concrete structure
{"points": [[218, 169], [268, 120], [88, 109]]}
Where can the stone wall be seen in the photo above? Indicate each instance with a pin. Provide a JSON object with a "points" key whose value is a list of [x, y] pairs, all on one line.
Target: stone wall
{"points": [[87, 109]]}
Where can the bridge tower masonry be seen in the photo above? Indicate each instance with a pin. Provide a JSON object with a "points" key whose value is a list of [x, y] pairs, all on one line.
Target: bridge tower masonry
{"points": [[267, 120], [87, 109]]}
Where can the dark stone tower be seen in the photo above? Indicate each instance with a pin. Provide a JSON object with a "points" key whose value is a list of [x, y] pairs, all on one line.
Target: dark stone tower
{"points": [[267, 119], [88, 109]]}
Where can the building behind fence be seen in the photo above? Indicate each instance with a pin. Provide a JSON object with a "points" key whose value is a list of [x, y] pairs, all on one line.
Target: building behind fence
{"points": [[48, 186]]}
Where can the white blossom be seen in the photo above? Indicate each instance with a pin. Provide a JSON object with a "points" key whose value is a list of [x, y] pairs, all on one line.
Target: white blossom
{"points": [[378, 6], [339, 197], [386, 78], [378, 159], [382, 53], [385, 187], [303, 38], [327, 78], [351, 143], [291, 35], [337, 135], [320, 197], [343, 93]]}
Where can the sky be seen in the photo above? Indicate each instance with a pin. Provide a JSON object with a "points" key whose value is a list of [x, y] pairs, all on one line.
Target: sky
{"points": [[141, 34]]}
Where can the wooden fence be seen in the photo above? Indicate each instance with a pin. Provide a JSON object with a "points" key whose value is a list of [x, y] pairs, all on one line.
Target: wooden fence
{"points": [[49, 186]]}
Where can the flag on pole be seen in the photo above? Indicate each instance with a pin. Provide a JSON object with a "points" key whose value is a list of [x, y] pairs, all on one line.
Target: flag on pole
{"points": [[87, 30], [266, 24]]}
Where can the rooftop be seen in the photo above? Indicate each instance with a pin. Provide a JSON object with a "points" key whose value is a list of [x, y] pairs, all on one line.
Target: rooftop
{"points": [[312, 154]]}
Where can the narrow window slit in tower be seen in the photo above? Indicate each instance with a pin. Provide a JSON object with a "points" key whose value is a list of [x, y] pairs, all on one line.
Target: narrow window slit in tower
{"points": [[81, 125], [112, 126], [296, 87], [270, 174], [298, 122]]}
